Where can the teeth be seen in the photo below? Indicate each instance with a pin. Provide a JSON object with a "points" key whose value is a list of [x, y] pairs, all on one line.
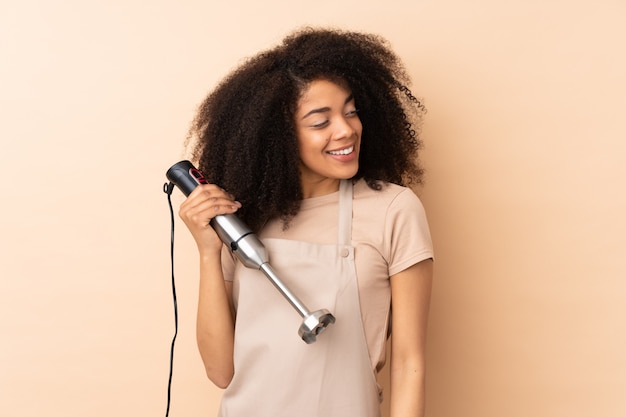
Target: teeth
{"points": [[343, 151]]}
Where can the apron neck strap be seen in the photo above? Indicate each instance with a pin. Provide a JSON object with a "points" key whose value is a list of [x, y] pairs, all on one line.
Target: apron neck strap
{"points": [[345, 213]]}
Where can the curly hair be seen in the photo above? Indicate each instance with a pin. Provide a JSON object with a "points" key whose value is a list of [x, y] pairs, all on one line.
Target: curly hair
{"points": [[243, 136]]}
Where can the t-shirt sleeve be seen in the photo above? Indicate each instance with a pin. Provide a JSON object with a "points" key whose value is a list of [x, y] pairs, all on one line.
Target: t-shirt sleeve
{"points": [[407, 233]]}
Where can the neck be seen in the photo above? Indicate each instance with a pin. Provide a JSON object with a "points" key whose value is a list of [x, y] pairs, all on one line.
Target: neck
{"points": [[319, 188]]}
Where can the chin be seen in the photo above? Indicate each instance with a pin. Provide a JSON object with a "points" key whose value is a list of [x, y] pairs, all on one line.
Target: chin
{"points": [[349, 175]]}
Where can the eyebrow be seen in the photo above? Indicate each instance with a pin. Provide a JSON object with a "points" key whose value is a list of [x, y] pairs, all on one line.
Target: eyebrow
{"points": [[326, 109]]}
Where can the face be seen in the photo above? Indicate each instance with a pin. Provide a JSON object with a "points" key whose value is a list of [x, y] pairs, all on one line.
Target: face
{"points": [[329, 137]]}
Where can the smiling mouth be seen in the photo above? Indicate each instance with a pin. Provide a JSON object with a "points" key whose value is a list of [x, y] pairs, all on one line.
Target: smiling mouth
{"points": [[345, 151]]}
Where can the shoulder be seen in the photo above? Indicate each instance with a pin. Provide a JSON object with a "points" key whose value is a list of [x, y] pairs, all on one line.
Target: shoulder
{"points": [[389, 196], [393, 221], [394, 209]]}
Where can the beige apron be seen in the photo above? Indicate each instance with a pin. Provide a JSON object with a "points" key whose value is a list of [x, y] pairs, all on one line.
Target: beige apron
{"points": [[276, 373]]}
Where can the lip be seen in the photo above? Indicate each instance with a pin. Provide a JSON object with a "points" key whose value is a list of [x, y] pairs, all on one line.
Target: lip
{"points": [[344, 158], [342, 148]]}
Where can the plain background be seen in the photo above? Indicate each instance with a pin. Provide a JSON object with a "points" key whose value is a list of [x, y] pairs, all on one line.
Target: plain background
{"points": [[525, 157]]}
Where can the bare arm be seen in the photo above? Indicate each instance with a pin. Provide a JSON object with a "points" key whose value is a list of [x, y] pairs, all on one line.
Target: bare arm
{"points": [[215, 320], [410, 299]]}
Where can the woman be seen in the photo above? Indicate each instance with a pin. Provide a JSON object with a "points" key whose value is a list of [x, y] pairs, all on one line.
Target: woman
{"points": [[315, 141]]}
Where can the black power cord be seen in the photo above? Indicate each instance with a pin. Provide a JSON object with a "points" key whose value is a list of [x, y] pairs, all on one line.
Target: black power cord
{"points": [[167, 189]]}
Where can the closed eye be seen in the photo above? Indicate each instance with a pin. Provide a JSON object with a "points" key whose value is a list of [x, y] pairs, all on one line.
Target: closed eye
{"points": [[320, 125]]}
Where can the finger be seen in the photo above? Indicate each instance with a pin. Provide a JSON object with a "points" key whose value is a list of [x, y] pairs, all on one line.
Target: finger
{"points": [[206, 192], [215, 205], [204, 210]]}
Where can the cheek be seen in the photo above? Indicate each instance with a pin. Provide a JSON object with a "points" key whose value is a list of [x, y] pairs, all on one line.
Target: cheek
{"points": [[312, 142], [357, 126]]}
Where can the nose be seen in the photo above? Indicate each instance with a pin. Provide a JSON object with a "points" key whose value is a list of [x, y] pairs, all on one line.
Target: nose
{"points": [[344, 128]]}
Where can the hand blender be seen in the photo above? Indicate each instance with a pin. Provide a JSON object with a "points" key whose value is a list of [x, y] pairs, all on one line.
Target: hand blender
{"points": [[250, 251]]}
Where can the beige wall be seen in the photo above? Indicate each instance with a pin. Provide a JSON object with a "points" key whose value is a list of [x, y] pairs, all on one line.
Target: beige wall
{"points": [[525, 150]]}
